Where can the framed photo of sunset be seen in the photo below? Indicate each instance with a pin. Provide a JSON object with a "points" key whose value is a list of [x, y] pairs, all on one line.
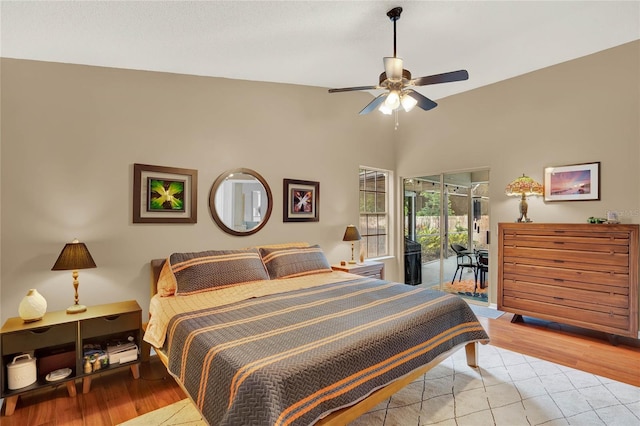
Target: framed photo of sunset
{"points": [[575, 182]]}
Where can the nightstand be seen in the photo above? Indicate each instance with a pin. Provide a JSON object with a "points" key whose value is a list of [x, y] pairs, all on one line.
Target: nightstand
{"points": [[58, 340], [367, 269]]}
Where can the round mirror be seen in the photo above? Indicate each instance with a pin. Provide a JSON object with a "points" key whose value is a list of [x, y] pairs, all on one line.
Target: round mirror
{"points": [[240, 202]]}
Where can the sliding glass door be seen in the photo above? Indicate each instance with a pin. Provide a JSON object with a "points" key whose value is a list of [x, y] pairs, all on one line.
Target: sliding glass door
{"points": [[440, 211]]}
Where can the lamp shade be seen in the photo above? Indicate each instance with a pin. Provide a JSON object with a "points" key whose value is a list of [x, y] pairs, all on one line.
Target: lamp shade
{"points": [[524, 185], [73, 256], [351, 234]]}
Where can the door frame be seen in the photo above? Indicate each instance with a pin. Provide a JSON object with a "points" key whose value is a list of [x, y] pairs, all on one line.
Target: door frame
{"points": [[443, 229]]}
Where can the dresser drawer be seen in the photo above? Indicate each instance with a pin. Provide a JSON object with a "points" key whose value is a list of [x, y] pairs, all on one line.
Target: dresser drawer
{"points": [[375, 273], [571, 258], [367, 269], [111, 324], [565, 264], [538, 273], [572, 294], [28, 340], [612, 321], [593, 242]]}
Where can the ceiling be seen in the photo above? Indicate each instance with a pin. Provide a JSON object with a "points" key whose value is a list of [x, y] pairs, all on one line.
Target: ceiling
{"points": [[317, 43]]}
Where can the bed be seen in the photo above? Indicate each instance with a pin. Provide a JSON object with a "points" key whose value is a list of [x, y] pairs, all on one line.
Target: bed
{"points": [[272, 336]]}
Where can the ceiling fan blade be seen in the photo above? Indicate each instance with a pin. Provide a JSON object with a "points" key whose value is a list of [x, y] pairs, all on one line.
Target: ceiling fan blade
{"points": [[374, 104], [351, 89], [446, 77], [423, 102]]}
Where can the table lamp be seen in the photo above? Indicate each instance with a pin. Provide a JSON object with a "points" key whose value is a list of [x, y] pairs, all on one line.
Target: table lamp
{"points": [[522, 187], [74, 256], [351, 234]]}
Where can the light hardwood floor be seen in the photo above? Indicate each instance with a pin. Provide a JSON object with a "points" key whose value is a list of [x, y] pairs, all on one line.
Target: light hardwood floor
{"points": [[117, 397]]}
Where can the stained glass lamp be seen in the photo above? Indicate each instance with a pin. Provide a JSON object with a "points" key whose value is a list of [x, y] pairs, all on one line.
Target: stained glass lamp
{"points": [[523, 187]]}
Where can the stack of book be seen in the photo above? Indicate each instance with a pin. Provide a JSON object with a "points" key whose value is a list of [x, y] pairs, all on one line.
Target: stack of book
{"points": [[122, 352]]}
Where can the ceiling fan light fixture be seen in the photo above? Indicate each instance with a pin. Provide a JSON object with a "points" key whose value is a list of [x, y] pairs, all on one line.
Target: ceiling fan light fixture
{"points": [[393, 100], [396, 81], [385, 109], [393, 68], [408, 102]]}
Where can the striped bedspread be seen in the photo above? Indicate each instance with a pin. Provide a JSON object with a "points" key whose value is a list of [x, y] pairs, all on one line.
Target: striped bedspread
{"points": [[292, 357]]}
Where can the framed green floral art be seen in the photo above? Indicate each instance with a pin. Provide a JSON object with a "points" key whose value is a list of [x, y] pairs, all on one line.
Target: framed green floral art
{"points": [[164, 194]]}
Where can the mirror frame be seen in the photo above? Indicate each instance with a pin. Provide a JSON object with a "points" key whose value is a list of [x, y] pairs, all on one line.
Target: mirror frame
{"points": [[212, 205]]}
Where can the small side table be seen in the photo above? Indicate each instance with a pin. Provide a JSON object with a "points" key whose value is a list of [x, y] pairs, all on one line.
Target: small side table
{"points": [[59, 333], [369, 269]]}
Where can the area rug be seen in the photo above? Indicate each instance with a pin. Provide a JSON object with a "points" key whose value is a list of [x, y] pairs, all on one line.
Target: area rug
{"points": [[466, 289], [507, 389], [483, 311], [182, 413]]}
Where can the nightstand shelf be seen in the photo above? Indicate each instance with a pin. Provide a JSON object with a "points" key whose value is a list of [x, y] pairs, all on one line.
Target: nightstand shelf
{"points": [[366, 269], [59, 339]]}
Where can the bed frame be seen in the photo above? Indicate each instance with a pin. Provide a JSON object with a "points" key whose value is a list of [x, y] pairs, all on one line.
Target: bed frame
{"points": [[347, 414]]}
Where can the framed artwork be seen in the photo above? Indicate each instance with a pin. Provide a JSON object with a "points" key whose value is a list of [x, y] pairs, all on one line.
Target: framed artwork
{"points": [[575, 182], [301, 201], [164, 194]]}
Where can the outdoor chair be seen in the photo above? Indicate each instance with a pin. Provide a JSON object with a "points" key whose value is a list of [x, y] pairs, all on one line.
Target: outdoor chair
{"points": [[482, 268], [464, 259]]}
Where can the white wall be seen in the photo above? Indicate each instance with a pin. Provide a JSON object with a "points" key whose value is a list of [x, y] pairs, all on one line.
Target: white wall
{"points": [[579, 111], [70, 136]]}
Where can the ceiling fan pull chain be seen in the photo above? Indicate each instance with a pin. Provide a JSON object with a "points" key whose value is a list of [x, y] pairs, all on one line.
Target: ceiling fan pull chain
{"points": [[395, 112]]}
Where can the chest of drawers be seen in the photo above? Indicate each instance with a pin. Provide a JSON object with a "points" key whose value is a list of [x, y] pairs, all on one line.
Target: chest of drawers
{"points": [[580, 274]]}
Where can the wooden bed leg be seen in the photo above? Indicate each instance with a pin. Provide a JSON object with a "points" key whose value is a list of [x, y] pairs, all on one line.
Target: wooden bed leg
{"points": [[471, 349], [145, 349]]}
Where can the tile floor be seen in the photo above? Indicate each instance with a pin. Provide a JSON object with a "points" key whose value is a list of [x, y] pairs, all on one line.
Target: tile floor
{"points": [[508, 389]]}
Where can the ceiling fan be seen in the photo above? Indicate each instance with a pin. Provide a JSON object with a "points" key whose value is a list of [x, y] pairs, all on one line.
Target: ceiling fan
{"points": [[397, 81]]}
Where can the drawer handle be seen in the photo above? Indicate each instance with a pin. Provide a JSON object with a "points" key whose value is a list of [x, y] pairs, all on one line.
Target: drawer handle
{"points": [[558, 298], [558, 261], [111, 317], [560, 280], [40, 330]]}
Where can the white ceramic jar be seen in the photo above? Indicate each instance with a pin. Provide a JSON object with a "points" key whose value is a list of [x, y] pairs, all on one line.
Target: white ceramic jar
{"points": [[21, 372]]}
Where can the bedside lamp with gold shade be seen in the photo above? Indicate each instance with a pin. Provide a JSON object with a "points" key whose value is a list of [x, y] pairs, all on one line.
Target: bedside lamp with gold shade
{"points": [[74, 256], [351, 234], [523, 187]]}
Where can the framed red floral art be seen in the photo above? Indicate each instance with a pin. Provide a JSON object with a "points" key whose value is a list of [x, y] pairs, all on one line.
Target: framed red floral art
{"points": [[301, 201]]}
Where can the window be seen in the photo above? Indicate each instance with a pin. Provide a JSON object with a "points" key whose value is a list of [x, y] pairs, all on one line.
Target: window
{"points": [[374, 216]]}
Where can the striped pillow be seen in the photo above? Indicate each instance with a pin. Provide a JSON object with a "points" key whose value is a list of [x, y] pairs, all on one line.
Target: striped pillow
{"points": [[212, 270], [294, 261]]}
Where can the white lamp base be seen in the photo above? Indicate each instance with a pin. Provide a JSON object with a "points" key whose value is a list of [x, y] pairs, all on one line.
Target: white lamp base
{"points": [[76, 309]]}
